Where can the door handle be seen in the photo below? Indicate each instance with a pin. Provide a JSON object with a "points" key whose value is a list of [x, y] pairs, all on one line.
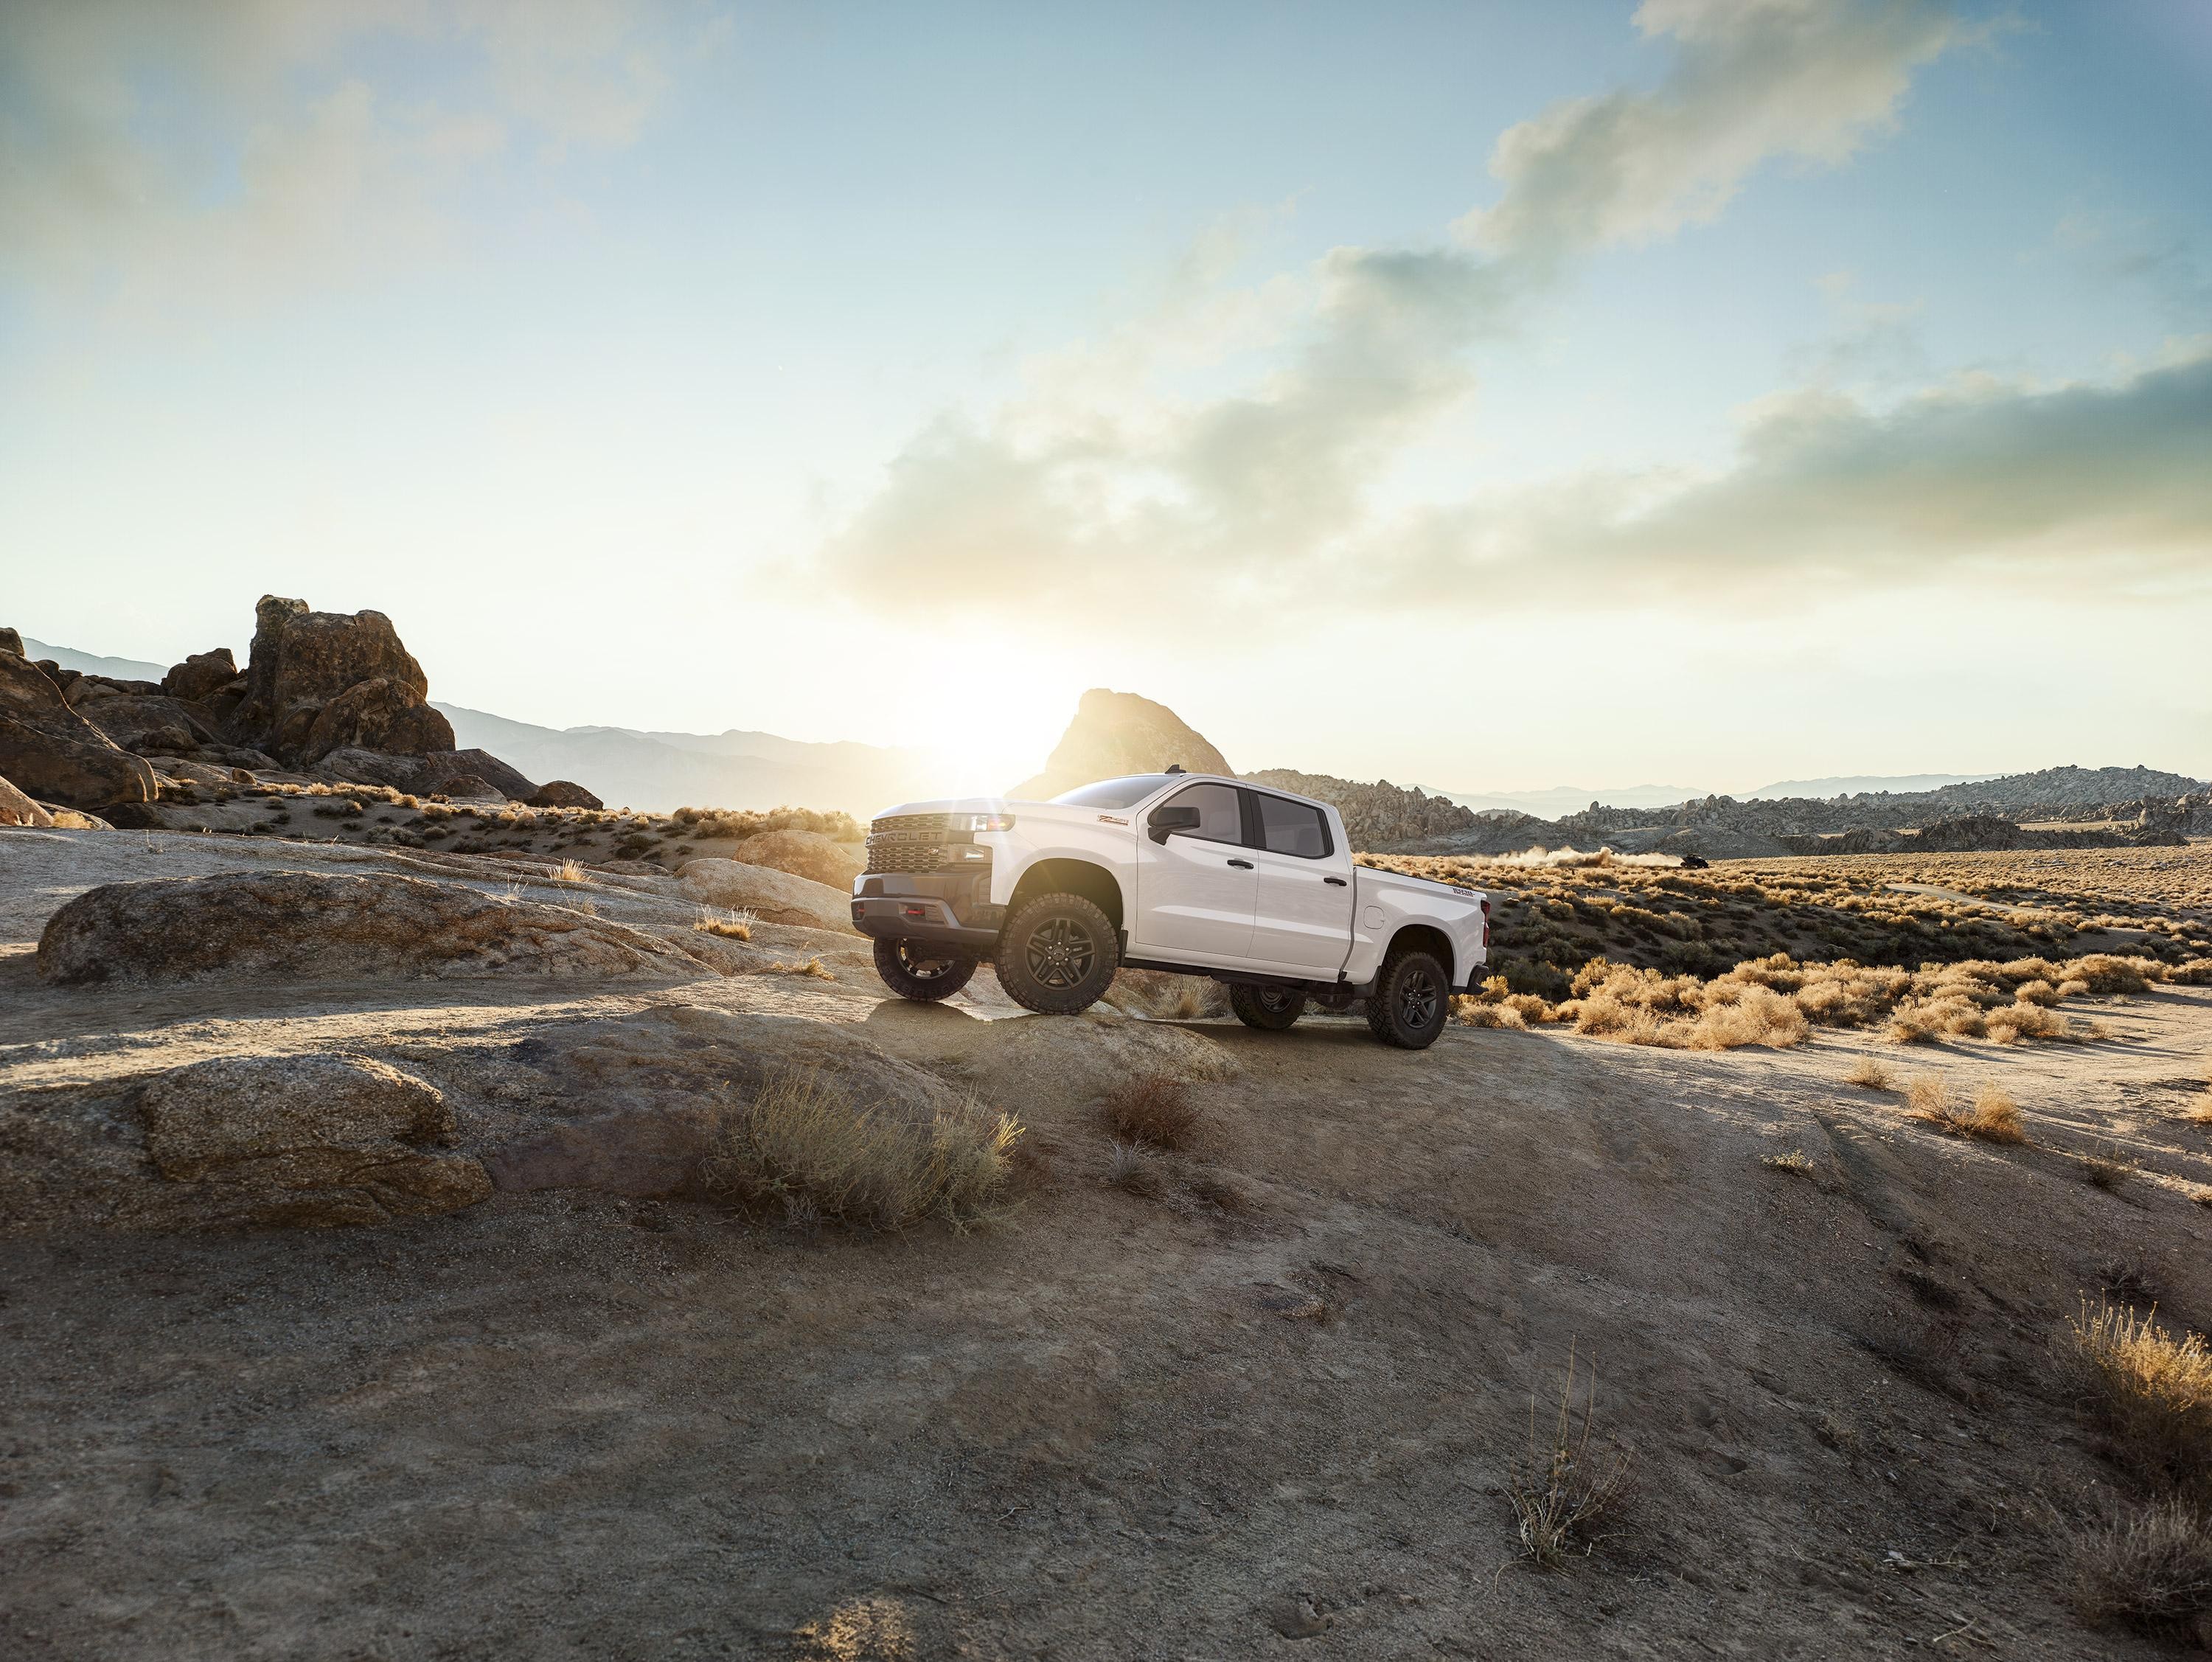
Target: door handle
{"points": [[1337, 881], [1242, 865]]}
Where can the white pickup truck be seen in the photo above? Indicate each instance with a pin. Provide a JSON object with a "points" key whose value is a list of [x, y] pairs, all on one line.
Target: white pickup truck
{"points": [[1195, 873]]}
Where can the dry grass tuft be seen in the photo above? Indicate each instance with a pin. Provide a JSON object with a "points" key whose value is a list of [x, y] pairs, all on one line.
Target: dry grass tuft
{"points": [[1992, 1117], [2151, 1566], [1152, 1110], [730, 926], [1562, 1495], [1129, 1166], [1797, 1163], [2107, 1168], [1159, 996], [1869, 1074], [801, 1146], [813, 966], [570, 871], [2153, 1391]]}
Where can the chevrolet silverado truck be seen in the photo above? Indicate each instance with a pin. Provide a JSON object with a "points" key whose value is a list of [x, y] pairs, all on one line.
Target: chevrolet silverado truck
{"points": [[1193, 874]]}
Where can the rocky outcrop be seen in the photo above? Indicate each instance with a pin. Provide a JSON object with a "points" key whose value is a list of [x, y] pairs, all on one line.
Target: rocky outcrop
{"points": [[52, 752], [146, 724], [17, 809], [384, 716], [201, 675], [564, 793], [803, 854], [319, 681], [773, 896], [321, 927], [12, 641], [1118, 733], [307, 1140]]}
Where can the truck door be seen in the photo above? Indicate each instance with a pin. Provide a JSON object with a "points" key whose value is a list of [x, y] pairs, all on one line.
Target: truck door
{"points": [[1301, 918], [1195, 891]]}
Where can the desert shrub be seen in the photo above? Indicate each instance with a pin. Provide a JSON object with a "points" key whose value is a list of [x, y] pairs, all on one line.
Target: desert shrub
{"points": [[2104, 973], [2151, 1566], [802, 1147], [1869, 1074], [1562, 1494], [2153, 1391], [836, 824], [2018, 1021], [1153, 1111], [2038, 991], [1475, 1013], [731, 926], [1129, 1166], [1161, 996], [813, 966], [1992, 1116]]}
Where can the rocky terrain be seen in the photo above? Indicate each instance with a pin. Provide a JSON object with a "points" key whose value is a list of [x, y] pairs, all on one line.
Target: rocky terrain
{"points": [[375, 1286]]}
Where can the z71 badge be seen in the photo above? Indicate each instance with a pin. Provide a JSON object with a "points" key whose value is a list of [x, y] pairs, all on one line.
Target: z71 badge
{"points": [[1108, 819]]}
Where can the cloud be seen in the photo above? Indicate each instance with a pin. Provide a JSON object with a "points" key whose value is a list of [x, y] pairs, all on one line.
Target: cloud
{"points": [[1979, 480], [160, 155], [1246, 490], [1754, 80]]}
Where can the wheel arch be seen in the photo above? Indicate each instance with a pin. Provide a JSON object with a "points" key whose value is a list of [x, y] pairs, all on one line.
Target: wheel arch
{"points": [[1427, 937], [1062, 874]]}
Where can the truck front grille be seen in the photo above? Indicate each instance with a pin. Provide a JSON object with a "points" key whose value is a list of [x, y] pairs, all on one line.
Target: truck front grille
{"points": [[916, 842]]}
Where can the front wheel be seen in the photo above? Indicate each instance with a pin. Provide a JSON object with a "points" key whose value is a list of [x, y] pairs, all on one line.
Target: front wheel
{"points": [[1407, 1005], [1271, 1009], [1057, 954], [918, 971]]}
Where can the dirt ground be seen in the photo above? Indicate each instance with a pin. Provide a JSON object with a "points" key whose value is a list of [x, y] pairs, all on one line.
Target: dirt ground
{"points": [[1266, 1402]]}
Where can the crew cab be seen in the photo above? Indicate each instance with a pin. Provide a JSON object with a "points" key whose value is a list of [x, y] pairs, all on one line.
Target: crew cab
{"points": [[1194, 873]]}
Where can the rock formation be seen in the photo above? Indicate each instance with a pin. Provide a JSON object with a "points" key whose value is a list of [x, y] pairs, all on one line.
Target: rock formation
{"points": [[17, 809], [803, 854], [1118, 733], [320, 681], [767, 893], [53, 753], [306, 1141], [320, 927]]}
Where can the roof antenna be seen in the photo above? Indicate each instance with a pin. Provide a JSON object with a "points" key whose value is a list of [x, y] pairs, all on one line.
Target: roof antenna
{"points": [[1174, 767]]}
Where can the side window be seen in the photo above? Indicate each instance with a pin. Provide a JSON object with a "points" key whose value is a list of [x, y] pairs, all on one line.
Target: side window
{"points": [[1220, 818], [1287, 827]]}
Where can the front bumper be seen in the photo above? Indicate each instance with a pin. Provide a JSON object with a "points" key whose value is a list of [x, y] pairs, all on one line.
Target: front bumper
{"points": [[951, 907]]}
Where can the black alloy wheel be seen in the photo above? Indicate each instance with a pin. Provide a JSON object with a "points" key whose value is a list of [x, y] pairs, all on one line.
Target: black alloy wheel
{"points": [[1407, 1006], [1271, 1009], [920, 971], [1057, 954]]}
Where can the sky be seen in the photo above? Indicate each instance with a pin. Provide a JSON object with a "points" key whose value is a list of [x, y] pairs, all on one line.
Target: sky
{"points": [[1485, 396]]}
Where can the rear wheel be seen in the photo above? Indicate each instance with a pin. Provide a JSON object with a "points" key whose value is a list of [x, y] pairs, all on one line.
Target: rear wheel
{"points": [[1270, 1008], [918, 971], [1057, 954], [1407, 1004]]}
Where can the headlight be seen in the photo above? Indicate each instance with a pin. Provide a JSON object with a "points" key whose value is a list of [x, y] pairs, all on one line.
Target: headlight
{"points": [[983, 822]]}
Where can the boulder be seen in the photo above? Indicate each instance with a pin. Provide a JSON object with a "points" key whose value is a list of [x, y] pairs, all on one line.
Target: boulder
{"points": [[467, 787], [307, 1140], [201, 674], [654, 1088], [10, 640], [503, 779], [377, 716], [804, 854], [53, 753], [564, 793], [326, 927], [1118, 733], [773, 896], [17, 809], [151, 725], [303, 662]]}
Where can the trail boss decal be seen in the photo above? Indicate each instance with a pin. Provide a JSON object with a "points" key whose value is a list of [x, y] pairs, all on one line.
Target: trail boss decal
{"points": [[1108, 819]]}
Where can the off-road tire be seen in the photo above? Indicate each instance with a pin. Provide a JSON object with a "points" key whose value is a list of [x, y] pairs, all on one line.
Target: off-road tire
{"points": [[1089, 953], [1410, 1000], [1271, 1009], [904, 966]]}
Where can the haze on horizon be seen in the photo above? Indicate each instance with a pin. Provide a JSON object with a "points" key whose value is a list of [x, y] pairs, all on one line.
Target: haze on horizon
{"points": [[1722, 391]]}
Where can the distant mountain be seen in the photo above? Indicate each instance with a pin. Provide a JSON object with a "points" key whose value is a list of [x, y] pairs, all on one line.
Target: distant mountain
{"points": [[1862, 783], [658, 772], [2066, 786], [1568, 799], [85, 663]]}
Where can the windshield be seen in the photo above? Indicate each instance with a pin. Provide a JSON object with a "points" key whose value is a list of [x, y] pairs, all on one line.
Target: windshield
{"points": [[1112, 793]]}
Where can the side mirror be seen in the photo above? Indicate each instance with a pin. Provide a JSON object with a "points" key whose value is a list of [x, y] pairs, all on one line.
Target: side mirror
{"points": [[1166, 822]]}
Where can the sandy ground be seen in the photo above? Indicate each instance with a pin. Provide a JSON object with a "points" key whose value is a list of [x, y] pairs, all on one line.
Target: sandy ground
{"points": [[1269, 1408]]}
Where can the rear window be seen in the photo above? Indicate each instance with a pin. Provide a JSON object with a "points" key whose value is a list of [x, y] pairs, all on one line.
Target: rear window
{"points": [[1287, 827], [1112, 793]]}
